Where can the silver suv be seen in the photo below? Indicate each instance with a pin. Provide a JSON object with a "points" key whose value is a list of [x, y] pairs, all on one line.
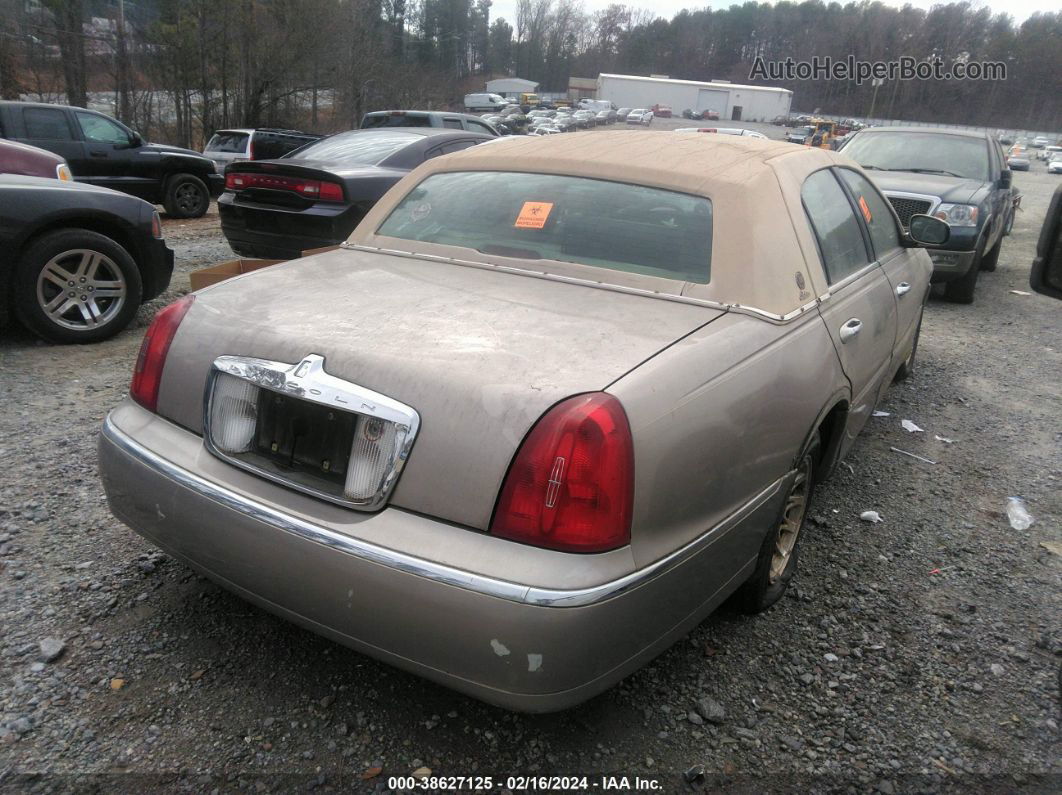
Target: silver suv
{"points": [[262, 143], [426, 118]]}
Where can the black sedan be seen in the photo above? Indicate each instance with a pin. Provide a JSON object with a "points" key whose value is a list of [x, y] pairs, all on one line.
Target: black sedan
{"points": [[79, 260], [316, 195]]}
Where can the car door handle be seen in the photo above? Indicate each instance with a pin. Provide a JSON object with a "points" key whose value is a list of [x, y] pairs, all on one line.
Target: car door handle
{"points": [[903, 288], [97, 154], [851, 328]]}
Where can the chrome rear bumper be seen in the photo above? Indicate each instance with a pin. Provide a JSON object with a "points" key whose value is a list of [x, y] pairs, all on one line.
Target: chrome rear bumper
{"points": [[517, 645]]}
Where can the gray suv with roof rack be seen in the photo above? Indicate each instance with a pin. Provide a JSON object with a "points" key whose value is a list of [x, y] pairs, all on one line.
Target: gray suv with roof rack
{"points": [[960, 177], [427, 118]]}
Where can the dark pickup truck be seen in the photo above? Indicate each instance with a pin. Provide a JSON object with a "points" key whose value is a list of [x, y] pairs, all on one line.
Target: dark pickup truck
{"points": [[102, 151], [960, 177]]}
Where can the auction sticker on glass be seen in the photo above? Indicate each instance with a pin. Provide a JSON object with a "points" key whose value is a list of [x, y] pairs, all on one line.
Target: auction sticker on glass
{"points": [[533, 215], [865, 209]]}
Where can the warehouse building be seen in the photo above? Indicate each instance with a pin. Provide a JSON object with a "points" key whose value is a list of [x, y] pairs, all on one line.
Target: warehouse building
{"points": [[729, 100], [511, 86], [582, 88]]}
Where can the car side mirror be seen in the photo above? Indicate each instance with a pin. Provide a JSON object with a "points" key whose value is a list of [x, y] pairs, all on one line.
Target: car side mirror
{"points": [[925, 230], [1006, 178], [1046, 274]]}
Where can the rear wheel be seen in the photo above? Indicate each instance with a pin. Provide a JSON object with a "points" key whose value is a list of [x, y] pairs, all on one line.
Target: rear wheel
{"points": [[777, 562], [186, 197], [74, 285]]}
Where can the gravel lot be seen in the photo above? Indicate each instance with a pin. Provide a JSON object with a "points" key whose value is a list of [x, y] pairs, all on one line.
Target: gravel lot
{"points": [[918, 654]]}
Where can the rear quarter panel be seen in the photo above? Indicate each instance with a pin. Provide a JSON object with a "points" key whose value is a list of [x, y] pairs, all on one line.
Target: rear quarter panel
{"points": [[716, 419]]}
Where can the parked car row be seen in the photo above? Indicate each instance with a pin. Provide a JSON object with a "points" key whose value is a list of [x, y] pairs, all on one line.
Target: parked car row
{"points": [[1049, 153], [287, 191], [707, 114], [724, 131], [542, 121]]}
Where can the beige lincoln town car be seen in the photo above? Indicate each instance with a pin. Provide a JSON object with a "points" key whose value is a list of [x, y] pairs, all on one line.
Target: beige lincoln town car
{"points": [[551, 404]]}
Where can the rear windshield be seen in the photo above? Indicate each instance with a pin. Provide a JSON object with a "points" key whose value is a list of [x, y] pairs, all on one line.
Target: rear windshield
{"points": [[227, 142], [355, 148], [931, 153], [612, 225], [395, 120]]}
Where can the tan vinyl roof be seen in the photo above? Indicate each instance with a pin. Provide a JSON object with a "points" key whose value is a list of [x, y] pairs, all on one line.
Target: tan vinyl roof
{"points": [[760, 237], [675, 160]]}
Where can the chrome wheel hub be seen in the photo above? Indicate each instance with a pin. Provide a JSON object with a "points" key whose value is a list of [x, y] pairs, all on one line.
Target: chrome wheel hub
{"points": [[796, 505], [81, 289]]}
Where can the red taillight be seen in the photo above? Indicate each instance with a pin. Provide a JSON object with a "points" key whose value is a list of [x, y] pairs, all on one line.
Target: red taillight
{"points": [[571, 485], [310, 188], [152, 357], [331, 192]]}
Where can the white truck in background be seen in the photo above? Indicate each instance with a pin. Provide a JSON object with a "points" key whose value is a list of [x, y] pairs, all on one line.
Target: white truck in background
{"points": [[595, 105], [475, 102]]}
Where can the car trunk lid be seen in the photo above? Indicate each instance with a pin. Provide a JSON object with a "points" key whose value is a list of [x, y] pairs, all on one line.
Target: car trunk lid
{"points": [[280, 182], [480, 354]]}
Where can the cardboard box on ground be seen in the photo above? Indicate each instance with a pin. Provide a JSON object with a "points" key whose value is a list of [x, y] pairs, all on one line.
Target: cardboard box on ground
{"points": [[205, 277]]}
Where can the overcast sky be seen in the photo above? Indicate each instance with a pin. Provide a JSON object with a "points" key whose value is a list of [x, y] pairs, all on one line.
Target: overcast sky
{"points": [[1019, 9]]}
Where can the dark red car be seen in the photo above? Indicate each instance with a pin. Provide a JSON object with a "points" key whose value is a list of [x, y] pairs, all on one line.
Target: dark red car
{"points": [[30, 161], [663, 111]]}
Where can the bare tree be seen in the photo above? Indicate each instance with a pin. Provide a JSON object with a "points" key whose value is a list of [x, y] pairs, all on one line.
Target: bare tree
{"points": [[67, 18]]}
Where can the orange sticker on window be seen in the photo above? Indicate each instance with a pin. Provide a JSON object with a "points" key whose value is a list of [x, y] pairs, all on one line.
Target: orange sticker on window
{"points": [[866, 209], [533, 215]]}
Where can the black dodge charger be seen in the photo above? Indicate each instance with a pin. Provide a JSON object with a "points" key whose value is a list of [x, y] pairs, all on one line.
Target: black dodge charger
{"points": [[78, 260], [316, 195]]}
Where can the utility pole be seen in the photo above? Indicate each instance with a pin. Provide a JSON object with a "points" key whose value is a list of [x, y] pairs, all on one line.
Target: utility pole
{"points": [[874, 101]]}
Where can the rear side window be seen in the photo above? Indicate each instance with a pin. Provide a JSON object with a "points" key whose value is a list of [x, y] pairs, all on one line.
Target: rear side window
{"points": [[478, 126], [396, 120], [875, 211], [453, 124], [100, 129], [46, 124], [612, 225], [357, 148], [235, 142], [835, 226]]}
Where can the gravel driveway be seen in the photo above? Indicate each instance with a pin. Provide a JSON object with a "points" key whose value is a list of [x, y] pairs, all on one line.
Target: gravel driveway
{"points": [[919, 653]]}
